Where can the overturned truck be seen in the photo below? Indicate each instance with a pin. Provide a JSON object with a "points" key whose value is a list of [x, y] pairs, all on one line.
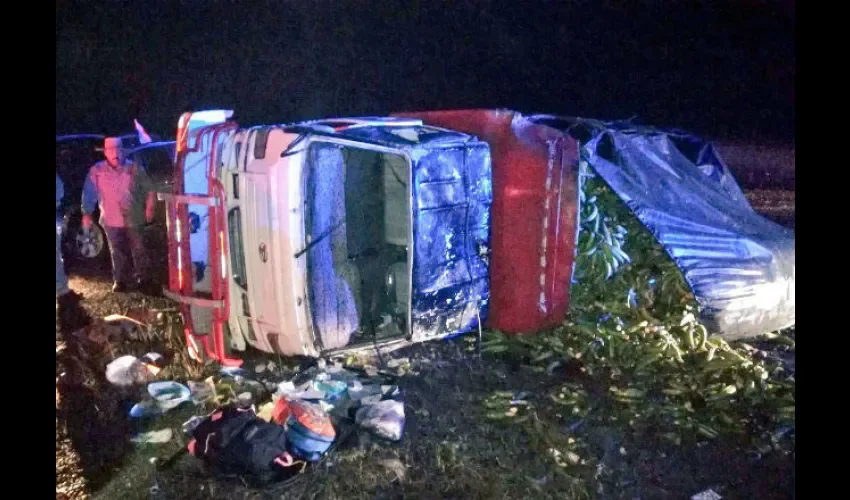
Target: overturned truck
{"points": [[341, 234]]}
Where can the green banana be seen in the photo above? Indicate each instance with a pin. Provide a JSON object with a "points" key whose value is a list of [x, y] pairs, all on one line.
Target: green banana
{"points": [[691, 341], [707, 431], [593, 214], [607, 234], [620, 254], [704, 338]]}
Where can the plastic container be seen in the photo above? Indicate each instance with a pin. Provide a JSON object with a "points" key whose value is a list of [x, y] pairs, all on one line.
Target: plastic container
{"points": [[309, 431]]}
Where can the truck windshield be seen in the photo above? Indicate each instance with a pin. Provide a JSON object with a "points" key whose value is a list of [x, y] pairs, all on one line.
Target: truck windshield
{"points": [[358, 218]]}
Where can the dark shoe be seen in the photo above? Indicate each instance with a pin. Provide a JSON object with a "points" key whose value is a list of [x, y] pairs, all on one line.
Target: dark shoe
{"points": [[71, 315], [119, 287], [69, 298], [149, 288]]}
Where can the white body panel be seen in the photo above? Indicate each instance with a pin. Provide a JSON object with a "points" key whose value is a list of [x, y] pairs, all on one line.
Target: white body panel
{"points": [[272, 227]]}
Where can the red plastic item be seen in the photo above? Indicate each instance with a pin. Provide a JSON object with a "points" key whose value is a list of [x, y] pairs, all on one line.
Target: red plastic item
{"points": [[534, 215], [312, 418], [281, 411]]}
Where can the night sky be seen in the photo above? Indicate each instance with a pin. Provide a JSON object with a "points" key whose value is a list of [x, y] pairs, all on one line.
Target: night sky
{"points": [[724, 69]]}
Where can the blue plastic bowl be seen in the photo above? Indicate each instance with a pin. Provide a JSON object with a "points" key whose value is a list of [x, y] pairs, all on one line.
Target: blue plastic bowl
{"points": [[305, 443]]}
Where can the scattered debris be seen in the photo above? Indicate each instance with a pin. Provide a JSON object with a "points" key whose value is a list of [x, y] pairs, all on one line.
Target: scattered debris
{"points": [[154, 437], [397, 362], [166, 395], [261, 454], [169, 394], [154, 362], [202, 392], [395, 466], [309, 430], [124, 326], [281, 411], [122, 320], [266, 411], [385, 419], [706, 495], [365, 393], [231, 371], [126, 371], [190, 425], [333, 389]]}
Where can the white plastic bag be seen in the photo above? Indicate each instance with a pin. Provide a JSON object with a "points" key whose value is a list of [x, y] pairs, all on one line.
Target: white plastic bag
{"points": [[385, 419], [126, 371]]}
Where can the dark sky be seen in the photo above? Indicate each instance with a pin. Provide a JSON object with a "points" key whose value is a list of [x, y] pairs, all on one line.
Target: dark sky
{"points": [[724, 69]]}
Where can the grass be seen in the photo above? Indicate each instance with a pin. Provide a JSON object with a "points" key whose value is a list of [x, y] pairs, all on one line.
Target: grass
{"points": [[453, 448], [449, 450], [627, 399]]}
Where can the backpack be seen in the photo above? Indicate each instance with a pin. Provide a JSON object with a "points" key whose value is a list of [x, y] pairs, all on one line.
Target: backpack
{"points": [[234, 440]]}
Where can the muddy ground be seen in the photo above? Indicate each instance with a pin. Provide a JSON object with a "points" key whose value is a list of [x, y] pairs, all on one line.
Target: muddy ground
{"points": [[450, 450]]}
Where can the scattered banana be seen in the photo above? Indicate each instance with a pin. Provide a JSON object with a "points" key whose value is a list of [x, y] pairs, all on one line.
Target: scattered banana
{"points": [[669, 375]]}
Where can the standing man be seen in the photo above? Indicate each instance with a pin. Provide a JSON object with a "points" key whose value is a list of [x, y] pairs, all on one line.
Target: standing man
{"points": [[120, 188]]}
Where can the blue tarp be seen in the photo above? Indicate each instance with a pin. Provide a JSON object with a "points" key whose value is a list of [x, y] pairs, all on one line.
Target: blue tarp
{"points": [[740, 266]]}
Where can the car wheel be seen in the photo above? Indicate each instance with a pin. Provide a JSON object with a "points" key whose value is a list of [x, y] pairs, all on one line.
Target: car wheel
{"points": [[90, 243]]}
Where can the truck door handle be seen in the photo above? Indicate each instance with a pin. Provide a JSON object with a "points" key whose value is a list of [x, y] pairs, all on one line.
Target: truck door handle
{"points": [[264, 252]]}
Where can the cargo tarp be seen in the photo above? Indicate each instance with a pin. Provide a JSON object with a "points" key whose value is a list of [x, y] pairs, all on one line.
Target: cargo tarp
{"points": [[740, 266]]}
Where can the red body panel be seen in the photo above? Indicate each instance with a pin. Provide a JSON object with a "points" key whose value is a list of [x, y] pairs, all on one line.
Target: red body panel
{"points": [[534, 215], [179, 263]]}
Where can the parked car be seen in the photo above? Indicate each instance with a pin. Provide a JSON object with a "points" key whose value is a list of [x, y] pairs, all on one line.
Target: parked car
{"points": [[75, 154]]}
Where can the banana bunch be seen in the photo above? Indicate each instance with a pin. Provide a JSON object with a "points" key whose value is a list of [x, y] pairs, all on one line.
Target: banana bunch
{"points": [[572, 397], [659, 370], [506, 405], [495, 342], [601, 239], [629, 396]]}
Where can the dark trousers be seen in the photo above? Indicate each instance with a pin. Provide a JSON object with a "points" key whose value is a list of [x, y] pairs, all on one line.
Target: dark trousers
{"points": [[126, 243]]}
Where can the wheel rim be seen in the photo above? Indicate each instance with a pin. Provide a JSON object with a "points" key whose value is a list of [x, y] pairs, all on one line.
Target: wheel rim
{"points": [[89, 242]]}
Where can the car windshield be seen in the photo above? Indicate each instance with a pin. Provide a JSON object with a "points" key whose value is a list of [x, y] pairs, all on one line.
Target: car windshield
{"points": [[156, 159]]}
